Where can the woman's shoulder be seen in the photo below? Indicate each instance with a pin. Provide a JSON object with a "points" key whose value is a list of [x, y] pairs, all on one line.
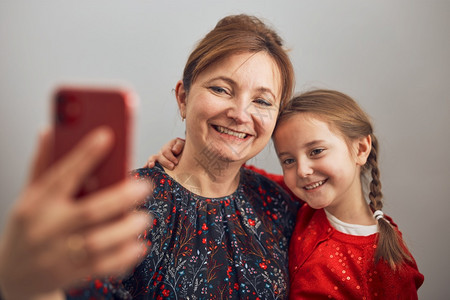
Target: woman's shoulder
{"points": [[148, 173], [254, 178], [260, 185]]}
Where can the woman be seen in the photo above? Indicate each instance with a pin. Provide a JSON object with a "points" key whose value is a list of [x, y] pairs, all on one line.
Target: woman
{"points": [[219, 230]]}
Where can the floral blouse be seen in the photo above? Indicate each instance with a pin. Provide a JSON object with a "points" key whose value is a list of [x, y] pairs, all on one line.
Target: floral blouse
{"points": [[234, 247]]}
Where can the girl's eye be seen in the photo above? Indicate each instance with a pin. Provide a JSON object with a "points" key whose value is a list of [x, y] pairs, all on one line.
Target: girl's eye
{"points": [[316, 152], [288, 161], [262, 102]]}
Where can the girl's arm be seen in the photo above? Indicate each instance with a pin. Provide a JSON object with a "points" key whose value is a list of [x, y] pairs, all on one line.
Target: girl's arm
{"points": [[167, 155]]}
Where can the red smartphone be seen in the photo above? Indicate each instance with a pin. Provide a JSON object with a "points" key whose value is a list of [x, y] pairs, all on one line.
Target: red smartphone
{"points": [[78, 110]]}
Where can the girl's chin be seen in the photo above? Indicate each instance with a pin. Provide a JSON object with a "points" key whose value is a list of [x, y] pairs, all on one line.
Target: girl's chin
{"points": [[316, 205]]}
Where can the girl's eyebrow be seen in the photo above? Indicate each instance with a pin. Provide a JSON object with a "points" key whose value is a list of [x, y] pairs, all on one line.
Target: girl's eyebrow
{"points": [[282, 154], [307, 145], [315, 142]]}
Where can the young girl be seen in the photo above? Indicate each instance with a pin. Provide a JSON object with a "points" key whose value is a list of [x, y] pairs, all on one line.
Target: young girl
{"points": [[343, 247]]}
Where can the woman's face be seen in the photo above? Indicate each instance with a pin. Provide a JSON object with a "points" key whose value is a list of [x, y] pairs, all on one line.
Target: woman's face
{"points": [[231, 108]]}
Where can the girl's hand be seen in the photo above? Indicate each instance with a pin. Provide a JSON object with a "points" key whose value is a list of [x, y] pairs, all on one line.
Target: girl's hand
{"points": [[167, 156], [52, 240]]}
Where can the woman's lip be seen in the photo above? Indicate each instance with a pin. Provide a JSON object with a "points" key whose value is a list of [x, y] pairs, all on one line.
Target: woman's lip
{"points": [[230, 132]]}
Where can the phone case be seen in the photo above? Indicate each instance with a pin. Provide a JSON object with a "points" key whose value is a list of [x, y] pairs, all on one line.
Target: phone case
{"points": [[78, 110]]}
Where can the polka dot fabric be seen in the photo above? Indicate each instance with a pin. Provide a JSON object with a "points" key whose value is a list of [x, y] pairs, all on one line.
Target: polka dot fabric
{"points": [[327, 264]]}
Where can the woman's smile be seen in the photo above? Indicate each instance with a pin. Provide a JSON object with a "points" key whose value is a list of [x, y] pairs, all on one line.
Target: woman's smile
{"points": [[227, 131]]}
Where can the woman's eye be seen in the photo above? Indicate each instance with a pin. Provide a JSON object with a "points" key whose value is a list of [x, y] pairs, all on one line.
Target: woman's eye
{"points": [[316, 152], [263, 102], [218, 89]]}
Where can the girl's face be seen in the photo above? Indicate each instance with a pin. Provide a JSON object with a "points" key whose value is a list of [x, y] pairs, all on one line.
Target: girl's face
{"points": [[231, 108], [318, 165]]}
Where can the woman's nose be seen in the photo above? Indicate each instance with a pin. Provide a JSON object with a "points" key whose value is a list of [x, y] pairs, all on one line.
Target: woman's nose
{"points": [[240, 112]]}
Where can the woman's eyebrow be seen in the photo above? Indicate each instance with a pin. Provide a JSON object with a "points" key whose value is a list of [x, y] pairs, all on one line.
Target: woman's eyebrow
{"points": [[223, 78], [266, 90]]}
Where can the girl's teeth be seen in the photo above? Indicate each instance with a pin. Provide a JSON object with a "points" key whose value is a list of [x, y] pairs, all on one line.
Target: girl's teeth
{"points": [[313, 186], [230, 132]]}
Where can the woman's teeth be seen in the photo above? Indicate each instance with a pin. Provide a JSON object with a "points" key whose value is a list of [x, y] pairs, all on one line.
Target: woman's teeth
{"points": [[230, 132], [314, 185]]}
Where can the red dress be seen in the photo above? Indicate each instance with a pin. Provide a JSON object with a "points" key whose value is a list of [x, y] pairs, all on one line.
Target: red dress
{"points": [[327, 264]]}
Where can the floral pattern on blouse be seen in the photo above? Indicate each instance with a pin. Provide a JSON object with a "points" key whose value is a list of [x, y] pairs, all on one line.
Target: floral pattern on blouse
{"points": [[234, 247]]}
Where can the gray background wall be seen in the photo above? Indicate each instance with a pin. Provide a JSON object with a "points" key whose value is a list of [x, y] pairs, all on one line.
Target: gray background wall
{"points": [[391, 56]]}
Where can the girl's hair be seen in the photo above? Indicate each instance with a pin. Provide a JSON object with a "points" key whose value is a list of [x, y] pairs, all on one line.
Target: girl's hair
{"points": [[343, 114], [238, 34]]}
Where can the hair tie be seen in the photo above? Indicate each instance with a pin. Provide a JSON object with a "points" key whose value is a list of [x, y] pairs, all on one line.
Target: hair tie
{"points": [[378, 214]]}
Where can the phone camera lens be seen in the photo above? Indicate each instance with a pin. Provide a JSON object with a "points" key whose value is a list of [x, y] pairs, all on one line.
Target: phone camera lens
{"points": [[68, 109]]}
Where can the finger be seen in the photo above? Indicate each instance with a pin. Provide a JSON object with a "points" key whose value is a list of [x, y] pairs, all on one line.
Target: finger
{"points": [[168, 154], [63, 218], [108, 204], [65, 177], [166, 163], [119, 261], [42, 156], [167, 151], [151, 161], [178, 146], [117, 232]]}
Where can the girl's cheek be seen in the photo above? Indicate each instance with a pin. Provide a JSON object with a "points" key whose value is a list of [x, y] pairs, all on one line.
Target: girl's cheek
{"points": [[291, 180]]}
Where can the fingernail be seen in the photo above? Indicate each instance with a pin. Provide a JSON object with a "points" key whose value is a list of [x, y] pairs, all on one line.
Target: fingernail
{"points": [[102, 135], [143, 220], [144, 249], [143, 187]]}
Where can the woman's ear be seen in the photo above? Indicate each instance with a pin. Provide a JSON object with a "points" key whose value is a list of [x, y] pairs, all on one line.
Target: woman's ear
{"points": [[363, 148], [181, 95]]}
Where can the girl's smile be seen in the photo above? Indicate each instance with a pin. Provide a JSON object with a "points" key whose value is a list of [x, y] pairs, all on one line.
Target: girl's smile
{"points": [[314, 185]]}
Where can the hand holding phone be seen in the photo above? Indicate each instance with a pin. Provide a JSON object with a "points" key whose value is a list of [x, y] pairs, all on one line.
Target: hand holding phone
{"points": [[77, 111]]}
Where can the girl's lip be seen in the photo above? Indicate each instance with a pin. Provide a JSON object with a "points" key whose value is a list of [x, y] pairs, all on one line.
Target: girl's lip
{"points": [[314, 185]]}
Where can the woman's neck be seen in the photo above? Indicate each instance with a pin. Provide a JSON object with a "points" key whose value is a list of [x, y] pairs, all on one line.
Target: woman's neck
{"points": [[205, 177]]}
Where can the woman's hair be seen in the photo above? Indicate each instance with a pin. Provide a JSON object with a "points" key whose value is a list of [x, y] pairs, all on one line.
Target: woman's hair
{"points": [[345, 116], [238, 34]]}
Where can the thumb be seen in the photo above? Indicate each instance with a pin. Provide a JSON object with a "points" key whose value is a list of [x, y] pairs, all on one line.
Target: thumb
{"points": [[42, 156]]}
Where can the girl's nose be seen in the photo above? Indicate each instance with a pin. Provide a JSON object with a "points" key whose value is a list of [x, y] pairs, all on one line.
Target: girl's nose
{"points": [[304, 168]]}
